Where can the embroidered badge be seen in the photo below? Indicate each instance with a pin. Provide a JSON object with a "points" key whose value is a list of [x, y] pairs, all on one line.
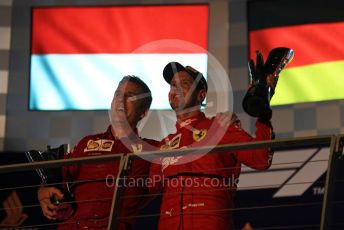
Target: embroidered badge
{"points": [[167, 161], [237, 124], [107, 144], [186, 122], [198, 135], [92, 145], [172, 144], [137, 148], [101, 144], [165, 147]]}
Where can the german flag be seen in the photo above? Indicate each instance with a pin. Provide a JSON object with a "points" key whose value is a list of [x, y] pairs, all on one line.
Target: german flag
{"points": [[315, 31]]}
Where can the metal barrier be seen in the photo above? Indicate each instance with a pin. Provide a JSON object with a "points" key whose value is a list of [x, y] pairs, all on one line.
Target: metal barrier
{"points": [[336, 152], [334, 142]]}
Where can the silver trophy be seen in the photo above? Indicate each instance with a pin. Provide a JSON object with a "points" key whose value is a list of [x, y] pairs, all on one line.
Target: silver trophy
{"points": [[263, 80]]}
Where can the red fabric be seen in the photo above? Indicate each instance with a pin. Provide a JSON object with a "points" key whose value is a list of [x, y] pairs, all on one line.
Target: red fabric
{"points": [[122, 29], [94, 185], [203, 207], [215, 166]]}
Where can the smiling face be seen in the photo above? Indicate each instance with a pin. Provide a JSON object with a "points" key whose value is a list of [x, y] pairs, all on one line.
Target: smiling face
{"points": [[183, 93], [127, 107]]}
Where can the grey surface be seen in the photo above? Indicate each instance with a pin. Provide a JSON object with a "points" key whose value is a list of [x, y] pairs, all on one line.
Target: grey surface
{"points": [[4, 54], [305, 118], [5, 18], [2, 141], [238, 96], [238, 55], [2, 103], [5, 23]]}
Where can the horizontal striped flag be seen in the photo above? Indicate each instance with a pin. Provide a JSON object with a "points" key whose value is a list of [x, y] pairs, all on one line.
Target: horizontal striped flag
{"points": [[79, 54], [315, 74]]}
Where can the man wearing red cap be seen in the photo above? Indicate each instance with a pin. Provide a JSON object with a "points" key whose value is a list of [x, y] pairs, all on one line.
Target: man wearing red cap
{"points": [[198, 191]]}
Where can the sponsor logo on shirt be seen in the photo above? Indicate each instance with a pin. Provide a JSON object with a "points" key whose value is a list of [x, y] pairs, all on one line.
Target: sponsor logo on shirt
{"points": [[92, 145], [198, 135], [167, 161], [172, 144], [186, 122], [99, 145], [137, 148], [107, 144]]}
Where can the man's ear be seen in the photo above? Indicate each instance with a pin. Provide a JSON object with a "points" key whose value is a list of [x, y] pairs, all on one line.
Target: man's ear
{"points": [[144, 113], [201, 95]]}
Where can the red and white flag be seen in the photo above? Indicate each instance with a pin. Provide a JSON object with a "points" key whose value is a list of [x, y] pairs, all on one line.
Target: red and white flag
{"points": [[79, 54]]}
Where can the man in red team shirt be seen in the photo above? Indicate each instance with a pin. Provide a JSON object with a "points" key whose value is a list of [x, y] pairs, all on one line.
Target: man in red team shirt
{"points": [[198, 191], [93, 196]]}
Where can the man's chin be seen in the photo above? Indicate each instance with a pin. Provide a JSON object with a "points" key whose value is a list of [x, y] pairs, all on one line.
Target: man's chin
{"points": [[183, 110], [177, 108], [120, 120], [180, 109]]}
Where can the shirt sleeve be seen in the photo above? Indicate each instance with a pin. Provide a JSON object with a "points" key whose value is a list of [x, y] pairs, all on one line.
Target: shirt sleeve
{"points": [[259, 158], [70, 172]]}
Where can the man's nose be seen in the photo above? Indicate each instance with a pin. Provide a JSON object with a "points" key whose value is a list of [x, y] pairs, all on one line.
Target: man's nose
{"points": [[119, 102], [175, 89], [119, 98]]}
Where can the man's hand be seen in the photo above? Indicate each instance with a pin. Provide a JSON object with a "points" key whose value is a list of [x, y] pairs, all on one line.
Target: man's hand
{"points": [[44, 195], [257, 71], [225, 119], [14, 211]]}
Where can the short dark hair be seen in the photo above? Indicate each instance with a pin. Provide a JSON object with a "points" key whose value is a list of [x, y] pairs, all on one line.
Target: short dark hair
{"points": [[147, 98]]}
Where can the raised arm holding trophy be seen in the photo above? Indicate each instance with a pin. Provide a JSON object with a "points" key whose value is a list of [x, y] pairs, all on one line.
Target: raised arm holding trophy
{"points": [[263, 80]]}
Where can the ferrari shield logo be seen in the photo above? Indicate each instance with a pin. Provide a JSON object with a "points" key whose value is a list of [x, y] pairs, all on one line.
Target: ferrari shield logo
{"points": [[198, 135], [137, 148]]}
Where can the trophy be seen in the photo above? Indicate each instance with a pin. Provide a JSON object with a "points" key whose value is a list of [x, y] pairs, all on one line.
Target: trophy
{"points": [[263, 80], [52, 176]]}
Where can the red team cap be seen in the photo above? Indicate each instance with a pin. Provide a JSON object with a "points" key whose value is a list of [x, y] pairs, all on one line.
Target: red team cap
{"points": [[175, 67]]}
